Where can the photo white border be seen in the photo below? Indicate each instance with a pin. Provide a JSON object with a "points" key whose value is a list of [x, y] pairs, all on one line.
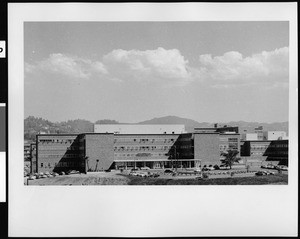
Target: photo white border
{"points": [[152, 211]]}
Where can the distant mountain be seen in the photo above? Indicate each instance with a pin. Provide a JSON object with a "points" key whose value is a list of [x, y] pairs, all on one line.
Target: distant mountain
{"points": [[189, 124], [106, 121], [34, 125], [243, 126]]}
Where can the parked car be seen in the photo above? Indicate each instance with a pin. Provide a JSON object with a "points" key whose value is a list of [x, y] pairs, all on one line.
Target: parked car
{"points": [[133, 173], [32, 177], [282, 167], [268, 166], [261, 173], [72, 172], [209, 168], [143, 174], [169, 171], [145, 168], [62, 173], [55, 174], [224, 167], [197, 170]]}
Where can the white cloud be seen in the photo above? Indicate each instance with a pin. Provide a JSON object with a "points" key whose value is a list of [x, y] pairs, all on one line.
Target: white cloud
{"points": [[151, 65], [70, 66], [232, 68], [169, 67]]}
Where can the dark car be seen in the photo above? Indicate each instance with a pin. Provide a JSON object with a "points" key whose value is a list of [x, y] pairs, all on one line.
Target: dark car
{"points": [[169, 171], [72, 172], [260, 173]]}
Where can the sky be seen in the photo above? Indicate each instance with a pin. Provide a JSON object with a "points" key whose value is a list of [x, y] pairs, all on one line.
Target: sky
{"points": [[136, 71]]}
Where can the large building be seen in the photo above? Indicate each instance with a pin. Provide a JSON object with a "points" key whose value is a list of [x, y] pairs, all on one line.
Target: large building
{"points": [[163, 148]]}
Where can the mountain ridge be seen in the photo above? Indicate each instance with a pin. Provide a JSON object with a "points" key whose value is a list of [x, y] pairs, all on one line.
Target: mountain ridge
{"points": [[34, 125]]}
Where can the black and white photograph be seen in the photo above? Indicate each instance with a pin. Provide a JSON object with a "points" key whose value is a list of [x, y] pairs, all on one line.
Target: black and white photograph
{"points": [[128, 106], [156, 103]]}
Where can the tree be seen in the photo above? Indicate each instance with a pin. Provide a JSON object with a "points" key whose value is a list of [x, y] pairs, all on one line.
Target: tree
{"points": [[230, 157]]}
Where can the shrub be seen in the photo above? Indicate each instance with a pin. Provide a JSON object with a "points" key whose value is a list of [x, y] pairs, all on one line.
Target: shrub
{"points": [[205, 175], [216, 167]]}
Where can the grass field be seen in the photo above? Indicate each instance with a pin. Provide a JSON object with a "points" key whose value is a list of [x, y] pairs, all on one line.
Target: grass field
{"points": [[256, 180], [102, 178]]}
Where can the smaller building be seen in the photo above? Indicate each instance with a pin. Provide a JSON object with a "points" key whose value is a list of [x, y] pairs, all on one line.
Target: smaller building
{"points": [[249, 136], [274, 135]]}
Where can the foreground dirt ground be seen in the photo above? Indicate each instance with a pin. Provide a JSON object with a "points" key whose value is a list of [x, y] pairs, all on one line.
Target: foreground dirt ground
{"points": [[117, 178], [99, 178]]}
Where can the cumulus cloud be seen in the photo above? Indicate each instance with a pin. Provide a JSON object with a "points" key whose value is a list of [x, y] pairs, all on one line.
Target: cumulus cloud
{"points": [[149, 65], [169, 67], [70, 66], [232, 68]]}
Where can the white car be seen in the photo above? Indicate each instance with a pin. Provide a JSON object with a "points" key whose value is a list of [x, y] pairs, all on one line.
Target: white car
{"points": [[224, 167], [142, 174], [32, 177], [145, 168]]}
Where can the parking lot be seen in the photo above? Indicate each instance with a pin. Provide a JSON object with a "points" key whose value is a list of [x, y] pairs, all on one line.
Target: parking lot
{"points": [[122, 177]]}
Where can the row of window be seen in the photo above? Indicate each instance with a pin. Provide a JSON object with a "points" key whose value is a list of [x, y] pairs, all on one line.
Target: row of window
{"points": [[279, 146], [145, 148], [185, 146], [135, 155], [62, 164], [277, 152], [144, 140], [58, 156], [56, 140], [223, 139]]}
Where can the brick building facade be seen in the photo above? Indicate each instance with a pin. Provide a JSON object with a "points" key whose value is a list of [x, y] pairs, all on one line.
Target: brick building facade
{"points": [[101, 151]]}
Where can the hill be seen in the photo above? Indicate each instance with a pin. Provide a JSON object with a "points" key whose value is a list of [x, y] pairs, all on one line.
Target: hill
{"points": [[243, 126], [34, 125], [189, 124]]}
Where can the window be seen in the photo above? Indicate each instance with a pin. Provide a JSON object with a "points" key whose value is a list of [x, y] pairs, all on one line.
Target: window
{"points": [[42, 165]]}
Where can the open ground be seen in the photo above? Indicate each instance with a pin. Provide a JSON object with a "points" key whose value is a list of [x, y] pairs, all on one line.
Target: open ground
{"points": [[218, 177]]}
